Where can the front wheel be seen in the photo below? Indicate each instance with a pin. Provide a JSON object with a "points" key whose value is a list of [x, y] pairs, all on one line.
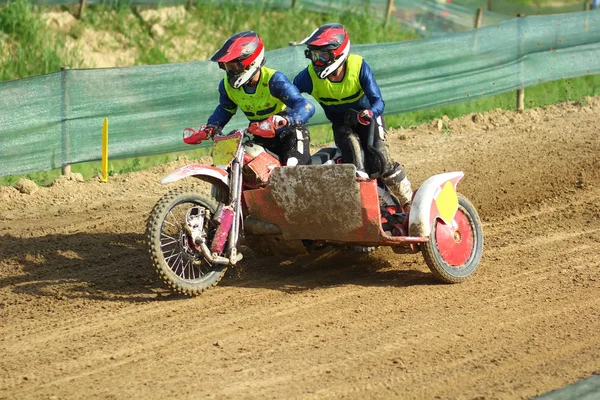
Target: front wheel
{"points": [[173, 253], [453, 251]]}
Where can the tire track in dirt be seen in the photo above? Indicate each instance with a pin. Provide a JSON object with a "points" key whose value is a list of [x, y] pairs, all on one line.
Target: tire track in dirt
{"points": [[82, 329]]}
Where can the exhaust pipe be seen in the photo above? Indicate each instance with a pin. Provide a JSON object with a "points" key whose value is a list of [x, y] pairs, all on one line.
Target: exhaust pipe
{"points": [[258, 227]]}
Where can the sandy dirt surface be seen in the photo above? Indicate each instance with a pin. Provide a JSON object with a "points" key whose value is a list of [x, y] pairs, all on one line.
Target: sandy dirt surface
{"points": [[83, 315]]}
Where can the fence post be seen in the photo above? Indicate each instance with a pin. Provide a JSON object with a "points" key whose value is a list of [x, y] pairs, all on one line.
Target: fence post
{"points": [[293, 3], [81, 8], [587, 5], [388, 13], [104, 151], [521, 90], [65, 148], [478, 17]]}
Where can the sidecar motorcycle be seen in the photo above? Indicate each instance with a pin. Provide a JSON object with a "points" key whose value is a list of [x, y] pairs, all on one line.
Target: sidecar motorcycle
{"points": [[194, 236]]}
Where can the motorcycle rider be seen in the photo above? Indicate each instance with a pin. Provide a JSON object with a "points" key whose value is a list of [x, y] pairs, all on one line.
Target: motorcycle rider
{"points": [[275, 108], [341, 82]]}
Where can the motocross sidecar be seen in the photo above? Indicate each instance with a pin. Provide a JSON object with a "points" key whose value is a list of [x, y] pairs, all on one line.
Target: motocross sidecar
{"points": [[324, 204], [193, 236]]}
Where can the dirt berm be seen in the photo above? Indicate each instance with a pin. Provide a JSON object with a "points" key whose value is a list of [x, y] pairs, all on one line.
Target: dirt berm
{"points": [[83, 316]]}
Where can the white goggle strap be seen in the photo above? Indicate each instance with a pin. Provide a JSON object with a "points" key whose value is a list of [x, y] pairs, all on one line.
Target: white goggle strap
{"points": [[325, 73], [252, 68]]}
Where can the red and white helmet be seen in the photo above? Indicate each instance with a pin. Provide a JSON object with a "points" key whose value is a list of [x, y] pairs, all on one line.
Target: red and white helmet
{"points": [[241, 56], [328, 48]]}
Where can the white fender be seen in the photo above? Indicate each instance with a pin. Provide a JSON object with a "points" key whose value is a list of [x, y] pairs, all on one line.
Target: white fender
{"points": [[198, 171], [436, 198]]}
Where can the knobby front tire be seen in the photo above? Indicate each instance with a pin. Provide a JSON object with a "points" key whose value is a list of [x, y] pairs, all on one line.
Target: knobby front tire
{"points": [[172, 254]]}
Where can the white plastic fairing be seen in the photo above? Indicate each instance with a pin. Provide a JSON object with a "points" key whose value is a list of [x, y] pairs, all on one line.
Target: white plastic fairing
{"points": [[420, 218], [197, 170], [253, 150]]}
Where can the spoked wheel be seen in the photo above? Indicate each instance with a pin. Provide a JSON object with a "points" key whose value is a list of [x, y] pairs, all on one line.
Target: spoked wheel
{"points": [[454, 250], [172, 221]]}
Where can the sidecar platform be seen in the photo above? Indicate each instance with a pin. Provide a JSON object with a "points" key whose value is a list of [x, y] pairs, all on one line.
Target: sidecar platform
{"points": [[322, 202]]}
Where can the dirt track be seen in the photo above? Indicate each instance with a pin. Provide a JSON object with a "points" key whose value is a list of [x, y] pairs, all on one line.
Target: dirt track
{"points": [[82, 315]]}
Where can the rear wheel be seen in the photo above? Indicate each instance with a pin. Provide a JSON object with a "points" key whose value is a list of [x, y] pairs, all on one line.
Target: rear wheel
{"points": [[453, 251], [172, 251]]}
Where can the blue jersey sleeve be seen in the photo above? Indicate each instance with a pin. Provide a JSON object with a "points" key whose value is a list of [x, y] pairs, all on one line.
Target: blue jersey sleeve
{"points": [[303, 82], [371, 89], [224, 111], [298, 110]]}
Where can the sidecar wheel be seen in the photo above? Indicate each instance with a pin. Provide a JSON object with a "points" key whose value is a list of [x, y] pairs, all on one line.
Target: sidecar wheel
{"points": [[178, 263], [453, 254]]}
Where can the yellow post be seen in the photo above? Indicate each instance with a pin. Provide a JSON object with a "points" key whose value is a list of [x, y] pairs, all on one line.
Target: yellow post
{"points": [[478, 17], [388, 12], [105, 150]]}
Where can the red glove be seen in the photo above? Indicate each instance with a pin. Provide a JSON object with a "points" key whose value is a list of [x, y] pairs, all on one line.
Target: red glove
{"points": [[190, 136], [267, 127], [365, 117]]}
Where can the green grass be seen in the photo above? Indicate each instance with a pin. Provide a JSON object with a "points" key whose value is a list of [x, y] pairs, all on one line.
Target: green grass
{"points": [[115, 167], [27, 48], [535, 96], [210, 24]]}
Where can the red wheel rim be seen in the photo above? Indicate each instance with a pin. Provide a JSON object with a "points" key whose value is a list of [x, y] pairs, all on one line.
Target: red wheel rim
{"points": [[455, 245]]}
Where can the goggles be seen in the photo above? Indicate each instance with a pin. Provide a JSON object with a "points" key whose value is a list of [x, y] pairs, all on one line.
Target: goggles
{"points": [[232, 67], [319, 56]]}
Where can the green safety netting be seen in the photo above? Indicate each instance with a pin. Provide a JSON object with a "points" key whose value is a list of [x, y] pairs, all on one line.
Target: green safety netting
{"points": [[54, 120], [513, 8], [426, 17], [430, 18]]}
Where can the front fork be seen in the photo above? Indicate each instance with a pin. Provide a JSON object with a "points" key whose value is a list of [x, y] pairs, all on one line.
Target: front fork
{"points": [[235, 194], [228, 218]]}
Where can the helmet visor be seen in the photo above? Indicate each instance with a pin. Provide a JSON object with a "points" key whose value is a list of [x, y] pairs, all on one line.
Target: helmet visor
{"points": [[232, 67], [319, 57]]}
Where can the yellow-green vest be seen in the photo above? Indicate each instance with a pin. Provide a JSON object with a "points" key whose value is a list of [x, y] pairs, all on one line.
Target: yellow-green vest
{"points": [[260, 104], [333, 93]]}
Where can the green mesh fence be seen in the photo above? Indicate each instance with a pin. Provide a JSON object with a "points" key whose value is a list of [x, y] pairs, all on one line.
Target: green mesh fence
{"points": [[427, 17], [50, 121], [430, 18], [585, 389], [513, 8]]}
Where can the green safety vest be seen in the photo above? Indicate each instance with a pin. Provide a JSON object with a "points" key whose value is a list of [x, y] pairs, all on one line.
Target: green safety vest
{"points": [[332, 93], [260, 104]]}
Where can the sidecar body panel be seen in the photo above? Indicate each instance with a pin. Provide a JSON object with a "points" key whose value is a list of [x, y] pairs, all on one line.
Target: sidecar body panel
{"points": [[435, 199], [318, 202]]}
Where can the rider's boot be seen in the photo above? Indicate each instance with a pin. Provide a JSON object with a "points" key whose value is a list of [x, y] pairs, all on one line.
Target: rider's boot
{"points": [[399, 184]]}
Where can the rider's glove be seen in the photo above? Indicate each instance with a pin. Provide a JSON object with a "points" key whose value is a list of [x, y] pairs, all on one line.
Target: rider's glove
{"points": [[365, 117], [267, 127], [190, 136]]}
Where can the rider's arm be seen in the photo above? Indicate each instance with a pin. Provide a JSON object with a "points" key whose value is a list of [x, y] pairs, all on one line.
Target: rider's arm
{"points": [[371, 89], [224, 111], [299, 110], [303, 82]]}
